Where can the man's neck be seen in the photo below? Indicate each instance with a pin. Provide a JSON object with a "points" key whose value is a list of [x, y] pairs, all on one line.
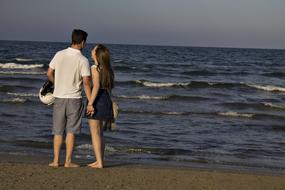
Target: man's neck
{"points": [[75, 46]]}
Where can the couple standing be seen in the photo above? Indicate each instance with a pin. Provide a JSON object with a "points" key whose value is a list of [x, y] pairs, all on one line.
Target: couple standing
{"points": [[69, 70]]}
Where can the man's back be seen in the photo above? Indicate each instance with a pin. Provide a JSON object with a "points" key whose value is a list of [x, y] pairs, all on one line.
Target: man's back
{"points": [[70, 66]]}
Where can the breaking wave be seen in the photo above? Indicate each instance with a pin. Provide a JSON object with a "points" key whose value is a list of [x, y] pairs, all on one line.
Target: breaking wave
{"points": [[89, 147], [144, 97], [202, 84], [236, 114], [268, 88], [23, 94], [21, 73], [268, 104], [23, 59], [14, 100], [167, 97], [20, 66], [161, 84]]}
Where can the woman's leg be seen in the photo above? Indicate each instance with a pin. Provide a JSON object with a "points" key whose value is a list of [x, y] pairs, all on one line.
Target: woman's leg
{"points": [[102, 142], [97, 136]]}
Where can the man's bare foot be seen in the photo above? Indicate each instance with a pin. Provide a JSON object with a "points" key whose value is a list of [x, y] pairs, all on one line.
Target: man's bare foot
{"points": [[71, 165], [96, 165], [54, 165]]}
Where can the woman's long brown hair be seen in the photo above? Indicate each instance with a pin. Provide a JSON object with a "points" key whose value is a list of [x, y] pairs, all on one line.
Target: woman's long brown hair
{"points": [[104, 67]]}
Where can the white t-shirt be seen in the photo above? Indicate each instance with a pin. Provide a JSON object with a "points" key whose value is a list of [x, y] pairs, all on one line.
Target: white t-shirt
{"points": [[69, 66]]}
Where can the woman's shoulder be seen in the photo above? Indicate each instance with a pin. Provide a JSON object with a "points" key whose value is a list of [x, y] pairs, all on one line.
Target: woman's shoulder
{"points": [[94, 66]]}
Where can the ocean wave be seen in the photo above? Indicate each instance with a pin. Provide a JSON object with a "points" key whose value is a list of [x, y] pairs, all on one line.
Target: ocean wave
{"points": [[154, 112], [110, 149], [90, 147], [118, 61], [165, 113], [190, 84], [199, 73], [212, 73], [23, 59], [23, 94], [21, 73], [26, 78], [275, 74], [278, 127], [144, 97], [33, 144], [12, 88], [258, 106], [123, 68], [268, 104], [175, 113], [236, 114], [156, 151], [14, 100], [19, 66], [268, 88], [167, 97], [85, 147], [202, 84], [6, 88], [162, 84], [139, 150]]}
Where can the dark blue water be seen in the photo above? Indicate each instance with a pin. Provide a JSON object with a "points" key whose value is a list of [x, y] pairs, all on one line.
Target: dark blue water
{"points": [[178, 105]]}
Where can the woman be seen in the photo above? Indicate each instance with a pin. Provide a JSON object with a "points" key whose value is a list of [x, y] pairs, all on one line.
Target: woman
{"points": [[99, 107]]}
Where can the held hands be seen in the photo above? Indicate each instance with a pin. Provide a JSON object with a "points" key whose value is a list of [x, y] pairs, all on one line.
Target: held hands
{"points": [[90, 110]]}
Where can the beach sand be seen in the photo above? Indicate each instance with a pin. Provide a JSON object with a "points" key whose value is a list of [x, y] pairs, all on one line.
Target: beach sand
{"points": [[20, 172]]}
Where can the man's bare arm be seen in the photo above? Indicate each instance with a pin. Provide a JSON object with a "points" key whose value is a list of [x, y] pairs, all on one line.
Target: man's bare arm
{"points": [[50, 75], [87, 87]]}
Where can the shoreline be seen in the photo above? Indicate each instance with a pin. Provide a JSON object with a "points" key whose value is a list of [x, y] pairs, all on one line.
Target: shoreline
{"points": [[83, 162], [32, 172]]}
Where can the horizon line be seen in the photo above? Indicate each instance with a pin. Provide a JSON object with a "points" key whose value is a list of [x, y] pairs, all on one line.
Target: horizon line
{"points": [[159, 45]]}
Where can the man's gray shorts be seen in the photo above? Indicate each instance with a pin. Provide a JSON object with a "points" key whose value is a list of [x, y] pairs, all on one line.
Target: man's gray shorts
{"points": [[67, 115]]}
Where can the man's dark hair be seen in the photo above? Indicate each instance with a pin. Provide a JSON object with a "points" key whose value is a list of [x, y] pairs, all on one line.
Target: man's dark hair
{"points": [[78, 36]]}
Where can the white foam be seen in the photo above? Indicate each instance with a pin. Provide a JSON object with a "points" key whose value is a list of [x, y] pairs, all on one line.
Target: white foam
{"points": [[118, 61], [139, 150], [21, 73], [273, 105], [235, 114], [84, 156], [23, 59], [89, 147], [144, 97], [15, 100], [269, 88], [19, 66], [85, 147], [23, 94], [157, 84], [174, 113]]}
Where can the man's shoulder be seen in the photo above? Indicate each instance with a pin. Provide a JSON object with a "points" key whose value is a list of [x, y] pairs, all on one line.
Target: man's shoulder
{"points": [[61, 52], [83, 59]]}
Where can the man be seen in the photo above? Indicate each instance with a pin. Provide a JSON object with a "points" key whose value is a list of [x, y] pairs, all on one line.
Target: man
{"points": [[68, 70]]}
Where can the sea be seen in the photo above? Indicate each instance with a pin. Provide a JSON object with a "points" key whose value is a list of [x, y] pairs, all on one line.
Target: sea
{"points": [[181, 106]]}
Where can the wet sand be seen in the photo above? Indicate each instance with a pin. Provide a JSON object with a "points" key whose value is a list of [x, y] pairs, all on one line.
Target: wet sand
{"points": [[18, 172]]}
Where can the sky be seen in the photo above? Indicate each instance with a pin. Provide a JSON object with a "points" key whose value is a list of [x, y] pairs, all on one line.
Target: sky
{"points": [[206, 23]]}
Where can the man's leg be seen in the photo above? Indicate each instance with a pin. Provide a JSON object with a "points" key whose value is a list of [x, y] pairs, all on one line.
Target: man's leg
{"points": [[69, 141], [57, 142], [58, 129], [73, 125]]}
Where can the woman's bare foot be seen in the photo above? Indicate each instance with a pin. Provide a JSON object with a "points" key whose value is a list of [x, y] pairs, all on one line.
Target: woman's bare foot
{"points": [[54, 165], [71, 165], [96, 165]]}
